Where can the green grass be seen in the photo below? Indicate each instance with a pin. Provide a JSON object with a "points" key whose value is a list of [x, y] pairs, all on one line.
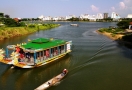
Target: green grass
{"points": [[8, 32], [110, 30]]}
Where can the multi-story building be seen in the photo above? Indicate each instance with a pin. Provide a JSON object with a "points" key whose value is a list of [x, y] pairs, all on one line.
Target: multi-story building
{"points": [[105, 15]]}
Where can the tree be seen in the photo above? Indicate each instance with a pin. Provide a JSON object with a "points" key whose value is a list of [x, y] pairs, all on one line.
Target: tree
{"points": [[1, 15], [7, 16], [123, 24], [10, 22]]}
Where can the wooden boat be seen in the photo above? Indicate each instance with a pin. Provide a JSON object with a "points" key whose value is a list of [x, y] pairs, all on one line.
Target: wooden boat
{"points": [[53, 81], [35, 52], [74, 24]]}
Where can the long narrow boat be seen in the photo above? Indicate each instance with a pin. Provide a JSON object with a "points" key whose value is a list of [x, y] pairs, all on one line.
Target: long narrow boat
{"points": [[52, 81], [35, 52]]}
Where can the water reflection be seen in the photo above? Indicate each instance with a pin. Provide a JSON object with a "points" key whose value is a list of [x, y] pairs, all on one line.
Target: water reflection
{"points": [[4, 77]]}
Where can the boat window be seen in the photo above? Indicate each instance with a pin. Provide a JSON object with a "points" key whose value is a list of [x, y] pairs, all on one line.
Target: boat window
{"points": [[28, 55], [41, 53]]}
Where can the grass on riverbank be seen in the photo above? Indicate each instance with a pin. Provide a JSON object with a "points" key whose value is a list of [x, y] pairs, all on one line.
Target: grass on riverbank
{"points": [[8, 32], [113, 33]]}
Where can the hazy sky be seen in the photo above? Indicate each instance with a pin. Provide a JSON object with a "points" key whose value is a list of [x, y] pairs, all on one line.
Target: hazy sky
{"points": [[35, 8]]}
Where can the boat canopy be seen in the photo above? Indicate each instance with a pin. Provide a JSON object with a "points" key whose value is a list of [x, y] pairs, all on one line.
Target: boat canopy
{"points": [[43, 43]]}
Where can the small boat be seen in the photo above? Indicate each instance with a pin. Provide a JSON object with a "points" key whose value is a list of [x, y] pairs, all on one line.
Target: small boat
{"points": [[74, 24], [53, 81], [35, 53]]}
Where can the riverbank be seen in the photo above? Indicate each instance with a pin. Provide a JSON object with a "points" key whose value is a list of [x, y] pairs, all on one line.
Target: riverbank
{"points": [[10, 32], [112, 33], [109, 35]]}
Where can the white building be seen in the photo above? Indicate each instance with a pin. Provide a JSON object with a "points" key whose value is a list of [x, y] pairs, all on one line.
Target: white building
{"points": [[47, 18], [129, 16], [70, 16], [99, 16], [55, 18], [115, 15], [41, 17], [92, 17], [84, 16]]}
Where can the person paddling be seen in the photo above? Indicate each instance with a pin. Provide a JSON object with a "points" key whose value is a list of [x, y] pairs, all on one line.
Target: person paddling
{"points": [[64, 71]]}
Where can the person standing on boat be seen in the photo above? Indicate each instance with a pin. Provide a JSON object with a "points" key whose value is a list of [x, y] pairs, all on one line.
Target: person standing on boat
{"points": [[17, 49]]}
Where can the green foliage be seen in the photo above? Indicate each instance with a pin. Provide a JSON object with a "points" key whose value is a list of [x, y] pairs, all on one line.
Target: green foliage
{"points": [[8, 32], [31, 26], [110, 30], [22, 24], [7, 16], [123, 24], [10, 22], [1, 15]]}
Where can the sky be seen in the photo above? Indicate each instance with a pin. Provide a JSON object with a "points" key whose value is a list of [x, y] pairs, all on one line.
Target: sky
{"points": [[55, 8]]}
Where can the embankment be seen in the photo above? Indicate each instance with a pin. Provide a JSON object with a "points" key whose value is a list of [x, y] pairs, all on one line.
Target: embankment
{"points": [[9, 32], [110, 35]]}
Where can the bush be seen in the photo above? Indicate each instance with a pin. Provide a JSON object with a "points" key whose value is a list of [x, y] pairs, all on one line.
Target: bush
{"points": [[31, 26]]}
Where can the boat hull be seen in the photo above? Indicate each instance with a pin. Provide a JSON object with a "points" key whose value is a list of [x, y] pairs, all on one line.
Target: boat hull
{"points": [[51, 82], [5, 61]]}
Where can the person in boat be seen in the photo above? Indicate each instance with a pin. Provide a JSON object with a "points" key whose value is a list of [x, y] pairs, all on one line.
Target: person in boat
{"points": [[64, 71], [17, 49]]}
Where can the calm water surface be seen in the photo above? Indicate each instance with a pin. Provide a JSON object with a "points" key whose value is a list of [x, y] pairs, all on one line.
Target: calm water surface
{"points": [[95, 63]]}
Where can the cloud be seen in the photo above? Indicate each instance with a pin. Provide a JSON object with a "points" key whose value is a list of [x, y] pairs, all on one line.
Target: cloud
{"points": [[113, 8], [122, 5], [94, 8]]}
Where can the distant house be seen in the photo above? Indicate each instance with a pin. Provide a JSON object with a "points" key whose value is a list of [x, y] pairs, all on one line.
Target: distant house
{"points": [[16, 19]]}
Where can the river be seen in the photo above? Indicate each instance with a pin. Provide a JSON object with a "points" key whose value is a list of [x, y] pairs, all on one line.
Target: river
{"points": [[95, 63]]}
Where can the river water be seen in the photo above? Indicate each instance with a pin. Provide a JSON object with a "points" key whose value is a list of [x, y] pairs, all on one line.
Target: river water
{"points": [[95, 63]]}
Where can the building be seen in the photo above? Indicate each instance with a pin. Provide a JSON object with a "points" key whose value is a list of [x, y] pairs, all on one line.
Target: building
{"points": [[47, 18], [105, 15], [129, 16], [99, 16], [70, 16], [84, 16], [41, 17], [115, 16], [92, 17]]}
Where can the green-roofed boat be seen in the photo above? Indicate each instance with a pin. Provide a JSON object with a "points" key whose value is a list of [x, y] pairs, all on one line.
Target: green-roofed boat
{"points": [[35, 52]]}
